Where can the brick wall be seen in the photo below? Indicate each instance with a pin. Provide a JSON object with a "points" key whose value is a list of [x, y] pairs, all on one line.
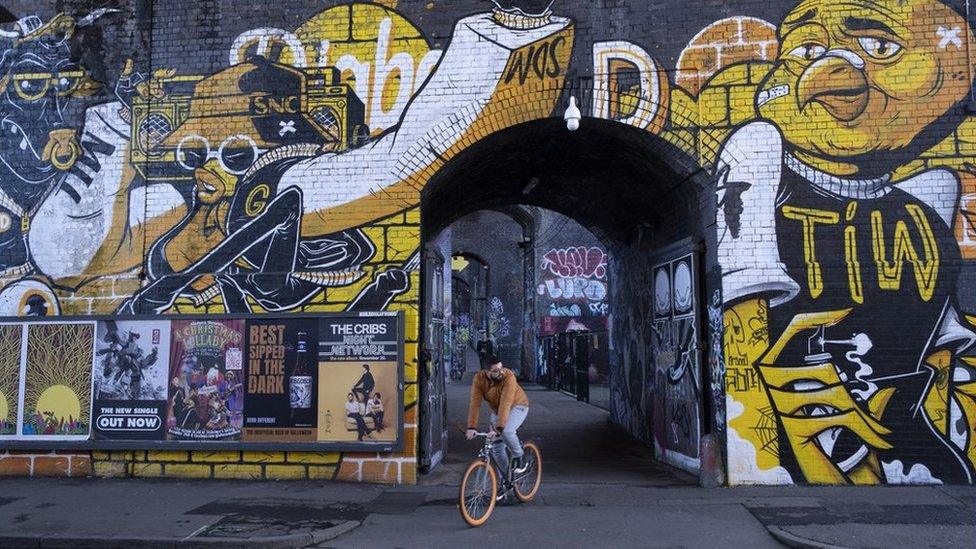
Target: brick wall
{"points": [[824, 171], [16, 463], [494, 237]]}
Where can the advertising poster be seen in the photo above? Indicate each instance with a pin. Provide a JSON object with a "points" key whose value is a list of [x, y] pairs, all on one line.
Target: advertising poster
{"points": [[281, 370], [359, 380], [10, 343], [130, 385], [206, 388], [57, 380]]}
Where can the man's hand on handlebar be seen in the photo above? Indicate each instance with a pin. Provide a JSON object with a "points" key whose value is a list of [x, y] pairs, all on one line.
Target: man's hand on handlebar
{"points": [[471, 433]]}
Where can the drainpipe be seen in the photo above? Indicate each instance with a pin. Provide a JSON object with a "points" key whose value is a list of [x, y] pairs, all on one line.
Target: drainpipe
{"points": [[971, 105]]}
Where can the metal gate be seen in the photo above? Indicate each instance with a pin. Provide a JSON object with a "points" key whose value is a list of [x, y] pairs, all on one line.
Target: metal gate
{"points": [[433, 392]]}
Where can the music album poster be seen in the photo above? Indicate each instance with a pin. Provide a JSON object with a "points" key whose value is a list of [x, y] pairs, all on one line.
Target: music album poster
{"points": [[359, 378], [130, 379], [11, 340], [57, 382]]}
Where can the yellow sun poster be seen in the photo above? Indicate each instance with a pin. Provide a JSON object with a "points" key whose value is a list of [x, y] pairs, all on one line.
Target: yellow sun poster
{"points": [[57, 380], [11, 336]]}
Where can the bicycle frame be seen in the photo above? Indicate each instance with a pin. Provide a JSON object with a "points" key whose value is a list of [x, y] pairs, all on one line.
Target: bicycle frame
{"points": [[488, 457], [499, 483]]}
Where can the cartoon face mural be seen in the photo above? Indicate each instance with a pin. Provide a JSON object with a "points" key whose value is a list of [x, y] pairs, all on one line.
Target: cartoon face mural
{"points": [[839, 84], [845, 350], [221, 178], [674, 344]]}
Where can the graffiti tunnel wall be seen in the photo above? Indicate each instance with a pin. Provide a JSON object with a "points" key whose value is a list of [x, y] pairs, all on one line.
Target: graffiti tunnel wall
{"points": [[217, 157]]}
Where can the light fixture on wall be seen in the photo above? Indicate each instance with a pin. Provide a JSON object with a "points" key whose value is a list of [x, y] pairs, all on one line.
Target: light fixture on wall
{"points": [[573, 115]]}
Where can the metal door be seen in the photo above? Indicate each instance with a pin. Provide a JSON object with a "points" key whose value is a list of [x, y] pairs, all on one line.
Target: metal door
{"points": [[433, 405]]}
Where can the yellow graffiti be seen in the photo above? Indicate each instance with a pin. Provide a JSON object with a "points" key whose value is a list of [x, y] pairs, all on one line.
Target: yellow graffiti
{"points": [[889, 273], [379, 52], [965, 395], [809, 217], [257, 200], [814, 407], [850, 255], [742, 349], [936, 401]]}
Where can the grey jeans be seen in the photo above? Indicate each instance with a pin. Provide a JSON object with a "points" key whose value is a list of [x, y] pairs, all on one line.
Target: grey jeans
{"points": [[510, 435]]}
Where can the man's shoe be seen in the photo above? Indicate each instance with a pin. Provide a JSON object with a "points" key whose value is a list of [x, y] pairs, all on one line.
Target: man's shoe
{"points": [[519, 466]]}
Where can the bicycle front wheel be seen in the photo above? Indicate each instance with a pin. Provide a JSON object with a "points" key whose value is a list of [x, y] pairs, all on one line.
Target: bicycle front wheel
{"points": [[527, 484], [479, 487]]}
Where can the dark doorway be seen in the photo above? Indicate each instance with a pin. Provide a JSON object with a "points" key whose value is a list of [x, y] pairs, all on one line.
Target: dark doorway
{"points": [[642, 198]]}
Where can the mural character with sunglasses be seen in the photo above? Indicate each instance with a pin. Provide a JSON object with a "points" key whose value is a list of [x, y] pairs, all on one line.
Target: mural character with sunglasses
{"points": [[241, 237], [277, 204], [37, 149]]}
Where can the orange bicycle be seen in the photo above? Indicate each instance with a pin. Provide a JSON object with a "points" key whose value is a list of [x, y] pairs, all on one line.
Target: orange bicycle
{"points": [[484, 482]]}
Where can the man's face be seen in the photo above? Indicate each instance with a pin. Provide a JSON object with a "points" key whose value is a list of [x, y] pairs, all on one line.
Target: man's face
{"points": [[863, 76], [496, 371]]}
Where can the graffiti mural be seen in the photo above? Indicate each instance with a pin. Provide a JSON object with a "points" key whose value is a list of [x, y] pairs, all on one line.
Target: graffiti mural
{"points": [[574, 280], [716, 359], [283, 180], [677, 371], [848, 357], [283, 175], [203, 192], [632, 378], [499, 325]]}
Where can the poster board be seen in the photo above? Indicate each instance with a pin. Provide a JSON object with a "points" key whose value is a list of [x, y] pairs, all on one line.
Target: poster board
{"points": [[359, 357], [213, 382]]}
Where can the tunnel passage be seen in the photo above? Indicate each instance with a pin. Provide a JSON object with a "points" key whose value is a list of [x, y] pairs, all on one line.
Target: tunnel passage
{"points": [[610, 177], [651, 206]]}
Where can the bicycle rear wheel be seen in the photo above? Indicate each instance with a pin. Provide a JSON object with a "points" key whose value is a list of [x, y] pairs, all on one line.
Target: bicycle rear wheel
{"points": [[527, 484], [479, 487]]}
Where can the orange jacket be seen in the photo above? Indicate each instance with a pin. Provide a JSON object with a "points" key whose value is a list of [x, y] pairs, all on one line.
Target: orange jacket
{"points": [[500, 395]]}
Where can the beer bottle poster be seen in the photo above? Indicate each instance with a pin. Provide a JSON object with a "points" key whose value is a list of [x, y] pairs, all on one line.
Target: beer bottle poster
{"points": [[206, 390], [57, 381], [280, 380], [130, 379], [359, 378]]}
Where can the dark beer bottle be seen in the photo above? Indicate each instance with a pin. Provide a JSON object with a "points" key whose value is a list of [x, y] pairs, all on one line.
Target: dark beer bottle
{"points": [[300, 385]]}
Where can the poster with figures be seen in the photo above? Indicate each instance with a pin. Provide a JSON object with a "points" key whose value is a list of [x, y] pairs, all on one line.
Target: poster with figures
{"points": [[206, 390], [57, 384], [281, 374], [11, 339], [130, 379], [359, 395], [674, 344]]}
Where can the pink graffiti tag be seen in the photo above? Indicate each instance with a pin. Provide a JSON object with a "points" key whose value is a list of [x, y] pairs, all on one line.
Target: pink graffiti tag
{"points": [[576, 262]]}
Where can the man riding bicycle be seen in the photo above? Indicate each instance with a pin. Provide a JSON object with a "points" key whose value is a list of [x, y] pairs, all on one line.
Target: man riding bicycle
{"points": [[509, 408]]}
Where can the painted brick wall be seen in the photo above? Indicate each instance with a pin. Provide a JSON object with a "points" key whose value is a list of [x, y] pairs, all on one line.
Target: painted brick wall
{"points": [[836, 221], [494, 237]]}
